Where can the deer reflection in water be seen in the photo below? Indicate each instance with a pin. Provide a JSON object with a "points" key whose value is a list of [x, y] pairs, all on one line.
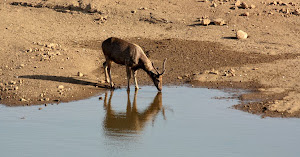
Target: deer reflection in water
{"points": [[132, 121]]}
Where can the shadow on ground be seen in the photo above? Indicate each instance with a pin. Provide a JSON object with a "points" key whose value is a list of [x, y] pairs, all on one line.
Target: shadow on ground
{"points": [[64, 79]]}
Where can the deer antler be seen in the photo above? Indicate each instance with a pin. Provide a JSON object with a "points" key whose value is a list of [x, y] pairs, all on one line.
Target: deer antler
{"points": [[164, 67], [155, 68]]}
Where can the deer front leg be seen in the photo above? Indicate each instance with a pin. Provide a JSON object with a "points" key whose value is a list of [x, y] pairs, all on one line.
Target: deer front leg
{"points": [[135, 80], [128, 70]]}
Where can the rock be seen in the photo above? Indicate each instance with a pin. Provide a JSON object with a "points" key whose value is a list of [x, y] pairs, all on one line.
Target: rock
{"points": [[29, 50], [205, 22], [47, 99], [237, 3], [133, 11], [245, 14], [51, 45], [40, 108], [297, 12], [244, 5], [22, 99], [219, 22], [273, 3], [80, 74], [214, 5], [179, 77], [60, 87], [12, 82], [241, 35], [100, 98], [252, 6]]}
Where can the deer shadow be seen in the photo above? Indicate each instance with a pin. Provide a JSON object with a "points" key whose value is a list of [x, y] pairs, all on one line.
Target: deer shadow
{"points": [[132, 121], [64, 79]]}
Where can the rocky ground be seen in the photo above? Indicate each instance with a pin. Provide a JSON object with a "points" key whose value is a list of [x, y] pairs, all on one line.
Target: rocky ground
{"points": [[51, 49]]}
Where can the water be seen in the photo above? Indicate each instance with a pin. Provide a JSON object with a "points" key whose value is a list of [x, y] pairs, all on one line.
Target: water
{"points": [[181, 121]]}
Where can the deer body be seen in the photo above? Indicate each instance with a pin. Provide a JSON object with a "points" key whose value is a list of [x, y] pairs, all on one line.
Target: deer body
{"points": [[133, 57]]}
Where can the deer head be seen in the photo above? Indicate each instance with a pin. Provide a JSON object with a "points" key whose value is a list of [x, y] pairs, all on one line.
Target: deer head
{"points": [[157, 78]]}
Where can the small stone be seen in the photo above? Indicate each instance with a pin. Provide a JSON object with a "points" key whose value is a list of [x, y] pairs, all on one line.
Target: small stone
{"points": [[47, 99], [29, 50], [12, 82], [214, 5], [40, 108], [100, 98], [51, 45], [297, 12], [219, 22], [79, 74], [22, 99], [273, 3], [245, 14], [252, 6], [133, 11], [179, 77], [244, 5], [60, 87], [241, 34], [205, 22], [16, 88], [237, 3]]}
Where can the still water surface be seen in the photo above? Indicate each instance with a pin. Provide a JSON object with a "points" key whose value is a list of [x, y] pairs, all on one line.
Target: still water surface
{"points": [[180, 121]]}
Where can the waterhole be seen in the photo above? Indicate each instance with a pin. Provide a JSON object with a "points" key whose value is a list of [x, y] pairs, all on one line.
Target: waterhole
{"points": [[180, 121]]}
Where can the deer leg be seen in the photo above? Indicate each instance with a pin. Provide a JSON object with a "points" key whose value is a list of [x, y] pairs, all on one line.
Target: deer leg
{"points": [[135, 80], [109, 73], [128, 70], [105, 72]]}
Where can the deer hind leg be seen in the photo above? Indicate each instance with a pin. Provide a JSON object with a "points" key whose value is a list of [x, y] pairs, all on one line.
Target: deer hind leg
{"points": [[135, 80], [105, 72], [108, 62], [128, 70]]}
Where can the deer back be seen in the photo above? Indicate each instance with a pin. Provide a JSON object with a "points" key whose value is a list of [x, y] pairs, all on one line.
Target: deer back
{"points": [[122, 52]]}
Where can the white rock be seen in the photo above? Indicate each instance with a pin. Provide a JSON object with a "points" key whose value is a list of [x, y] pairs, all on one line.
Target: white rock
{"points": [[60, 87], [80, 74], [241, 34]]}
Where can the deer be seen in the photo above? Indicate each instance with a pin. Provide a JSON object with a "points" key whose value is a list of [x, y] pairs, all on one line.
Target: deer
{"points": [[133, 57]]}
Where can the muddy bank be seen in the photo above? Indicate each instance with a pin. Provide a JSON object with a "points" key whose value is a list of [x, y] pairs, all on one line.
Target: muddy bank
{"points": [[50, 50], [202, 64]]}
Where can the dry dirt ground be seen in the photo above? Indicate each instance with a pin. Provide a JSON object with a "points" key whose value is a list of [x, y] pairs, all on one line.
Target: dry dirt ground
{"points": [[50, 50]]}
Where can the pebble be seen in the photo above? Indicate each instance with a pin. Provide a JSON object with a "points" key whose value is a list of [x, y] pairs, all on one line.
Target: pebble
{"points": [[80, 74], [244, 5], [214, 5], [205, 22], [237, 3], [179, 77], [60, 87], [252, 6], [22, 99], [100, 98], [241, 34], [40, 108], [219, 22], [245, 14]]}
